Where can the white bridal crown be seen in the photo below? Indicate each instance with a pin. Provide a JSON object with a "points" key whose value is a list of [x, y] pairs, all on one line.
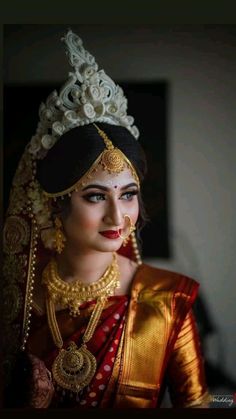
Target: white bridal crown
{"points": [[89, 95]]}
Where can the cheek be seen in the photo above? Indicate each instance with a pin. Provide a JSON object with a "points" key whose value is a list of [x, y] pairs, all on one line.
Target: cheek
{"points": [[82, 218], [134, 212]]}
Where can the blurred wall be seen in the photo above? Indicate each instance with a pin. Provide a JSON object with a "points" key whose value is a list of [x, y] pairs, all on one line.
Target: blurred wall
{"points": [[199, 62]]}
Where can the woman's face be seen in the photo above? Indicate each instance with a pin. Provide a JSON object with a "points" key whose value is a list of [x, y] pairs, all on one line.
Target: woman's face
{"points": [[98, 209]]}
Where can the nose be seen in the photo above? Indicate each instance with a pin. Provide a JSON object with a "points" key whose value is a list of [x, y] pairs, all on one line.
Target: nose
{"points": [[114, 215]]}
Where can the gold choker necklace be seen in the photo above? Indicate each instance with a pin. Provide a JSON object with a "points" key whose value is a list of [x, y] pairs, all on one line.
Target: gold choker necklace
{"points": [[72, 295], [74, 367]]}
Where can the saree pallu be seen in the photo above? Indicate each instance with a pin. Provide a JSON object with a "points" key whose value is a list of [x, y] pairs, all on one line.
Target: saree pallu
{"points": [[141, 341], [161, 341]]}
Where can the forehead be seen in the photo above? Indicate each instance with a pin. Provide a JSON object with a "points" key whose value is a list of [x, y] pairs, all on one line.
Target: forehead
{"points": [[111, 180]]}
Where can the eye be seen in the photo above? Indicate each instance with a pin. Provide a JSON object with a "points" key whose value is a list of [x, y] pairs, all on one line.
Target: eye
{"points": [[94, 197], [128, 196]]}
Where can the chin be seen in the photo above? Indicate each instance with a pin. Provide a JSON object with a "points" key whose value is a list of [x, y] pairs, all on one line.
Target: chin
{"points": [[112, 246]]}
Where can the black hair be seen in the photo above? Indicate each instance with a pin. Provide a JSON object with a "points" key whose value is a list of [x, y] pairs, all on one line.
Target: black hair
{"points": [[75, 152]]}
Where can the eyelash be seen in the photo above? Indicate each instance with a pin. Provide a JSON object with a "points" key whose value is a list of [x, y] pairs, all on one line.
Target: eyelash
{"points": [[92, 195]]}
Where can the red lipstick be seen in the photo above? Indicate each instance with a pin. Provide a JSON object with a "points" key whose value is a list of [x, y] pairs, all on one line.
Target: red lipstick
{"points": [[111, 234]]}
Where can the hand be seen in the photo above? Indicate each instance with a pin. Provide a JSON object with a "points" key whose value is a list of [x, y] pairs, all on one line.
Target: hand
{"points": [[43, 388]]}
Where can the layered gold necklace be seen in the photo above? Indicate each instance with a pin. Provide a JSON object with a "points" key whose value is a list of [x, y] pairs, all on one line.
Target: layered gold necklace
{"points": [[72, 295], [74, 367]]}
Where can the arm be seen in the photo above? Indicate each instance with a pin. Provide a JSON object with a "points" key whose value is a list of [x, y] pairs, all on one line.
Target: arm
{"points": [[42, 386], [186, 375]]}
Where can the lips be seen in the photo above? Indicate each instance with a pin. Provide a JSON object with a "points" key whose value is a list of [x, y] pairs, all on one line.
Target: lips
{"points": [[111, 234]]}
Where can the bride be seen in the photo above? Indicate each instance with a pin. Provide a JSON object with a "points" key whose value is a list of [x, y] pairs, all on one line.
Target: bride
{"points": [[87, 323]]}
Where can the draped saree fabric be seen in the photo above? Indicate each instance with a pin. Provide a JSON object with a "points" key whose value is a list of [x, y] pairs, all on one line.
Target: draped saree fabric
{"points": [[139, 341]]}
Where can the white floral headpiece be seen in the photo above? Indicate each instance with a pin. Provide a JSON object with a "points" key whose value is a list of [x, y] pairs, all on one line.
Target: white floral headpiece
{"points": [[88, 96]]}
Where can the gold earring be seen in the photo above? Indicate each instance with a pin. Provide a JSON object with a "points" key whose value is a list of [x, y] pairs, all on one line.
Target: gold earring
{"points": [[59, 236]]}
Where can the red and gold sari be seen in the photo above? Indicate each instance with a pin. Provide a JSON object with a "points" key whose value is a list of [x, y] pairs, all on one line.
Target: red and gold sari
{"points": [[141, 341]]}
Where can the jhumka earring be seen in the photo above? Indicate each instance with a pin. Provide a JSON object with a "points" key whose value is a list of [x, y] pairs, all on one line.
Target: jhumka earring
{"points": [[59, 236]]}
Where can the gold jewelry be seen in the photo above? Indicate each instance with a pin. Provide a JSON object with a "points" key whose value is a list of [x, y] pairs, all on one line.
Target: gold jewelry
{"points": [[72, 295], [59, 236], [74, 367], [111, 159], [131, 229], [135, 248]]}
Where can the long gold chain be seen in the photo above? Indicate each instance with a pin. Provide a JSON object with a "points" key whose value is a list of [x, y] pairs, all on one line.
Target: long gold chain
{"points": [[74, 367], [93, 321], [72, 295]]}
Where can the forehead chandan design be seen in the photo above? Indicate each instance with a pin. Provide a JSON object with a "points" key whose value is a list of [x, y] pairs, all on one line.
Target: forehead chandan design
{"points": [[111, 160]]}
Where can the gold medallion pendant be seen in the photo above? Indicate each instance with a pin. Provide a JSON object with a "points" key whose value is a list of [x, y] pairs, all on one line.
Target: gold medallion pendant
{"points": [[74, 367]]}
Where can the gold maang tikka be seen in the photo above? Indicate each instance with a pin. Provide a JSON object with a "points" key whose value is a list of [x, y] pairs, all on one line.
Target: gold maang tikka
{"points": [[112, 159]]}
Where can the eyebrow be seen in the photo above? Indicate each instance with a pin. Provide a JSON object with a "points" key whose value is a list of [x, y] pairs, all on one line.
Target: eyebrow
{"points": [[104, 188]]}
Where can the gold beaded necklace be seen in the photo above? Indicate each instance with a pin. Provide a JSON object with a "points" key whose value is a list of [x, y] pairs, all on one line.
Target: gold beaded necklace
{"points": [[74, 367]]}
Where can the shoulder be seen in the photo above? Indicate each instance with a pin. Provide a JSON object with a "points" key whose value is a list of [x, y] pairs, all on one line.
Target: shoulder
{"points": [[158, 279], [173, 291]]}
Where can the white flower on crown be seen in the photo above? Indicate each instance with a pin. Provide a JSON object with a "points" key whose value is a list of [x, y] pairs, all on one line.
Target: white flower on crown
{"points": [[88, 110], [89, 95], [94, 92], [87, 71]]}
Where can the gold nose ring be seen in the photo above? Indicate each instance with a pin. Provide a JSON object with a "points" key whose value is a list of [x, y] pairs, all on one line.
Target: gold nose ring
{"points": [[131, 227]]}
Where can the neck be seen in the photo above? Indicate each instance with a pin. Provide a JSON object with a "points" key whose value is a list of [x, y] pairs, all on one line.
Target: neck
{"points": [[87, 267]]}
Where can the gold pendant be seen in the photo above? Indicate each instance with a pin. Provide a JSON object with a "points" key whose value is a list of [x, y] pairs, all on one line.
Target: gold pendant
{"points": [[74, 367]]}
